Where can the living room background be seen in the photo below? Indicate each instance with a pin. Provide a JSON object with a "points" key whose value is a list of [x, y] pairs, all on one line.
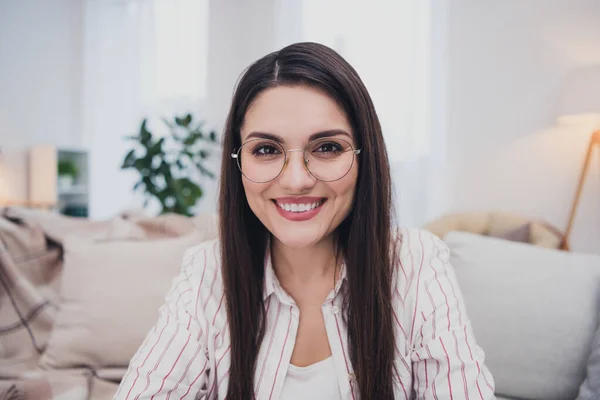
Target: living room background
{"points": [[485, 138]]}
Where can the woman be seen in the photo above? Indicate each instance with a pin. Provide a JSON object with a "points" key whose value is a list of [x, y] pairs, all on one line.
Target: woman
{"points": [[309, 291]]}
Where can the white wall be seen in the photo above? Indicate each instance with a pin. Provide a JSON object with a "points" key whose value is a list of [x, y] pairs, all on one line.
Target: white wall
{"points": [[240, 32], [40, 64], [507, 61]]}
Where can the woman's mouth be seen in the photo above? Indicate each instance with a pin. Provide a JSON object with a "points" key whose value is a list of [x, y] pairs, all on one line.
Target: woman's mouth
{"points": [[299, 209]]}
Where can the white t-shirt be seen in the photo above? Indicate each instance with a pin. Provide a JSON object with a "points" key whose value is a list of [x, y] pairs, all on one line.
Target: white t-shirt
{"points": [[316, 382]]}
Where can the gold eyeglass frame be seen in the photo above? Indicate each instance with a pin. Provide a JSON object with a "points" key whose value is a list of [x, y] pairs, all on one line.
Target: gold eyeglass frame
{"points": [[236, 152]]}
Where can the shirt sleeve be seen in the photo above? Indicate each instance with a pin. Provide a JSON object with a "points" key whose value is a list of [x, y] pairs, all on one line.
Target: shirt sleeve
{"points": [[447, 362], [172, 362]]}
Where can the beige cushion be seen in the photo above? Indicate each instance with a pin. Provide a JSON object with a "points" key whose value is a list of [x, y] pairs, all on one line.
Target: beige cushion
{"points": [[498, 224], [111, 292], [520, 234], [503, 222], [466, 222], [169, 225], [542, 235]]}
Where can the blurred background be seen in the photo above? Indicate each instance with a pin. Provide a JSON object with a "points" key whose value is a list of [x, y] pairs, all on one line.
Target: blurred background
{"points": [[473, 98]]}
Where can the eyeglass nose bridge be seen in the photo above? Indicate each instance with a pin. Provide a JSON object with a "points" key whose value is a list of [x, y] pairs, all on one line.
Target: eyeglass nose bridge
{"points": [[287, 159]]}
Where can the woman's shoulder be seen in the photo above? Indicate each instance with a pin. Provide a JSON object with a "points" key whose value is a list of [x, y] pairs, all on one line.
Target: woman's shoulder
{"points": [[417, 251], [201, 269], [202, 262], [416, 239], [208, 247]]}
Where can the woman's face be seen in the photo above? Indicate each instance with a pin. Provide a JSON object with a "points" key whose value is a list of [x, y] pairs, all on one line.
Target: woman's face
{"points": [[297, 208]]}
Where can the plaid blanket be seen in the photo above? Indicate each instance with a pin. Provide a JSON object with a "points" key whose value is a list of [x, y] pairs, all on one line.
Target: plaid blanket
{"points": [[31, 264]]}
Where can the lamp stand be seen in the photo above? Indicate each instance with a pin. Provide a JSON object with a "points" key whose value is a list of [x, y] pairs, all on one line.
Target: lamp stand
{"points": [[595, 140]]}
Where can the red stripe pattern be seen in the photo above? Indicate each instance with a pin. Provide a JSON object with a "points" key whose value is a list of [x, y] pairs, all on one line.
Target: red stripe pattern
{"points": [[187, 353]]}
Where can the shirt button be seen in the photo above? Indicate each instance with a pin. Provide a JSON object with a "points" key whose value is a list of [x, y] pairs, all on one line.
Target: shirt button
{"points": [[351, 377], [335, 309]]}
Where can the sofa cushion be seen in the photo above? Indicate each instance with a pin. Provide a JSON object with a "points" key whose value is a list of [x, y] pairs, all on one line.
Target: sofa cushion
{"points": [[590, 389], [110, 296], [520, 234], [534, 312], [506, 398]]}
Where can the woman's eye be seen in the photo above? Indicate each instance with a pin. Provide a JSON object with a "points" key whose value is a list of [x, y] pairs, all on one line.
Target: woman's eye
{"points": [[328, 148], [265, 150]]}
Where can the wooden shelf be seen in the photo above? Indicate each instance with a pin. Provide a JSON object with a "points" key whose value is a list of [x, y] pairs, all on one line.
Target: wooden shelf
{"points": [[46, 185]]}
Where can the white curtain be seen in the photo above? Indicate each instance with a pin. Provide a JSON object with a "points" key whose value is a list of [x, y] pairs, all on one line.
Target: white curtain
{"points": [[141, 58], [398, 48]]}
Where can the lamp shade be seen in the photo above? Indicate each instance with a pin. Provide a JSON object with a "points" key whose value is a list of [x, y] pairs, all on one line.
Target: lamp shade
{"points": [[580, 96], [43, 175]]}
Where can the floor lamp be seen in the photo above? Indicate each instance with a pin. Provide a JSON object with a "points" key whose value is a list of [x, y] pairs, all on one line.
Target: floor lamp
{"points": [[594, 143], [580, 102]]}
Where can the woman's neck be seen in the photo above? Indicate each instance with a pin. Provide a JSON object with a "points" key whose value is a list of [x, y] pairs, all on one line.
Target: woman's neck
{"points": [[298, 268]]}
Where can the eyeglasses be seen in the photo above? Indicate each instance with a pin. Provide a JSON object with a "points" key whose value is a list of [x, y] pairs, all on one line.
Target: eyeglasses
{"points": [[327, 159]]}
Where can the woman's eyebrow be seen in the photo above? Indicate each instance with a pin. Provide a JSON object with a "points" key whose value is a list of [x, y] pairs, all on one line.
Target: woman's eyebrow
{"points": [[265, 135], [279, 139], [329, 133]]}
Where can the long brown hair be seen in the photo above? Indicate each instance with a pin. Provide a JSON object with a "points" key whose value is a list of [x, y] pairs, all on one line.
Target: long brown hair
{"points": [[364, 236]]}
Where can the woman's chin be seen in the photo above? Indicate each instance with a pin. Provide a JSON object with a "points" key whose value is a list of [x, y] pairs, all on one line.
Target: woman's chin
{"points": [[297, 240]]}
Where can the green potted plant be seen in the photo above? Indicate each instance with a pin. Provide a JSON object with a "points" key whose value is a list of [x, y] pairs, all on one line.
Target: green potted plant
{"points": [[165, 163], [67, 173]]}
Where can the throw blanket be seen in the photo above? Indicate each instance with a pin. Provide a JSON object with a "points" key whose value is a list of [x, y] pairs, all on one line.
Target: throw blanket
{"points": [[31, 264]]}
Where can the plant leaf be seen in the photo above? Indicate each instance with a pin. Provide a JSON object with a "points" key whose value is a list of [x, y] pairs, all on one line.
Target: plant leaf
{"points": [[145, 134], [150, 187], [204, 171], [185, 121], [156, 148], [142, 164], [190, 140], [129, 160], [188, 191]]}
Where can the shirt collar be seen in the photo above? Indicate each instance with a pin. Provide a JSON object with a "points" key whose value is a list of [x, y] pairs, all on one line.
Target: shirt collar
{"points": [[270, 278], [272, 286]]}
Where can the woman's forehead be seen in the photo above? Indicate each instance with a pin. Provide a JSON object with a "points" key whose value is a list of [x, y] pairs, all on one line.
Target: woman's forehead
{"points": [[294, 113]]}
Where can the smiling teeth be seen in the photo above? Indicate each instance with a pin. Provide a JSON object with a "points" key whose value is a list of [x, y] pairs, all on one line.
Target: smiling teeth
{"points": [[299, 207]]}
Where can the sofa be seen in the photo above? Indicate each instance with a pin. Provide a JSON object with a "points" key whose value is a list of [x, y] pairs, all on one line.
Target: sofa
{"points": [[78, 297]]}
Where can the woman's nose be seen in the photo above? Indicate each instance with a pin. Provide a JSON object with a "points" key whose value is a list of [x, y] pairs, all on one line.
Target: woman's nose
{"points": [[295, 174]]}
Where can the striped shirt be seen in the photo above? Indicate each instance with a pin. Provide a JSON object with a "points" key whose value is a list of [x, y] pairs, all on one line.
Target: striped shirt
{"points": [[187, 353]]}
